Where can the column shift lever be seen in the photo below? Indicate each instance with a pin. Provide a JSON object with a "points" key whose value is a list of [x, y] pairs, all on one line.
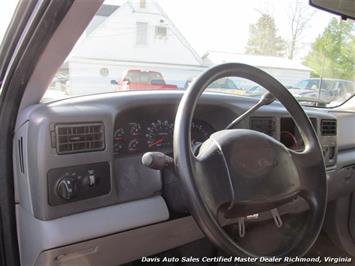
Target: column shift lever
{"points": [[266, 99], [157, 160]]}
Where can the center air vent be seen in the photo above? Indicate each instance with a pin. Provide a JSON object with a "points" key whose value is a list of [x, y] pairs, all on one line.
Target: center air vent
{"points": [[75, 138], [328, 127], [263, 124]]}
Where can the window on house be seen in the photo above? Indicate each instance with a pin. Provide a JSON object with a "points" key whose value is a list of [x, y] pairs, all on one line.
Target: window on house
{"points": [[142, 33], [142, 3], [160, 31]]}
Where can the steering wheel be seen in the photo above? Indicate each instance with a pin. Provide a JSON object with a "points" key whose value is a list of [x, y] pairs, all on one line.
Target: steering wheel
{"points": [[239, 172]]}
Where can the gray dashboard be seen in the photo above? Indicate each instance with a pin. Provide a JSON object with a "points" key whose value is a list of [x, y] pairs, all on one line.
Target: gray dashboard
{"points": [[88, 126], [44, 157]]}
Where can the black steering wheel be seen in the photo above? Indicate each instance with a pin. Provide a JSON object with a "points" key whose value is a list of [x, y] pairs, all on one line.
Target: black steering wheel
{"points": [[238, 172]]}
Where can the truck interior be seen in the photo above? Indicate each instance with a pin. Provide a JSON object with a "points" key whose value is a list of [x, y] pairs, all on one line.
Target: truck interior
{"points": [[197, 174]]}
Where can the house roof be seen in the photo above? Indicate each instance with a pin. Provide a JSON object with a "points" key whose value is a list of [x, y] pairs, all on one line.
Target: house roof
{"points": [[114, 38], [219, 57], [106, 10]]}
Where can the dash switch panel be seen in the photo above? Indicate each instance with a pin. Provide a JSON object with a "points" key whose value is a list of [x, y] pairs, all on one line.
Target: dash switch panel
{"points": [[79, 182]]}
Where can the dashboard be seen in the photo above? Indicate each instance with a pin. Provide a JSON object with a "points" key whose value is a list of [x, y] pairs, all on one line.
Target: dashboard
{"points": [[79, 159], [88, 149]]}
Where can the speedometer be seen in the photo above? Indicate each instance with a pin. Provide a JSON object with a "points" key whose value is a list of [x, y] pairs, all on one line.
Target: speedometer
{"points": [[159, 134]]}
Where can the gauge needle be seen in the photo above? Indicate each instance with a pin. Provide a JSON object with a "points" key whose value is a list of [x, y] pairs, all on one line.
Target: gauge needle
{"points": [[159, 141]]}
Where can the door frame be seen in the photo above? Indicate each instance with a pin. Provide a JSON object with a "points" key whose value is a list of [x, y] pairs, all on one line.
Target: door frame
{"points": [[30, 30]]}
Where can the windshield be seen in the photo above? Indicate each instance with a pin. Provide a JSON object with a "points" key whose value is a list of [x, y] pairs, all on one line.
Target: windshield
{"points": [[165, 45]]}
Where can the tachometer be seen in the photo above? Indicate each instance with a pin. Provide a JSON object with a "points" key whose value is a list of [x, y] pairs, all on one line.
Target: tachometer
{"points": [[159, 134]]}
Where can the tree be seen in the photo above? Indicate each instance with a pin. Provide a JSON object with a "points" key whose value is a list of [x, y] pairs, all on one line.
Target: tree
{"points": [[333, 52], [299, 15], [263, 38]]}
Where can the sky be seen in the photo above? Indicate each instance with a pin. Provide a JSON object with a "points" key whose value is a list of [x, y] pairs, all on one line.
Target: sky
{"points": [[223, 25], [220, 25]]}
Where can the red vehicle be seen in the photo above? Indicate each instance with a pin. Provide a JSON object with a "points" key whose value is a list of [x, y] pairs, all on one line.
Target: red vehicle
{"points": [[135, 79]]}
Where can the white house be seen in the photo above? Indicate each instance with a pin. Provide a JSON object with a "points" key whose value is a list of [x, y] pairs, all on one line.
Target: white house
{"points": [[288, 72], [136, 35]]}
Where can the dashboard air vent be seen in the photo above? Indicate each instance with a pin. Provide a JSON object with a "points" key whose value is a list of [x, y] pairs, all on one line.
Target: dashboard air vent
{"points": [[75, 138], [328, 127], [263, 124]]}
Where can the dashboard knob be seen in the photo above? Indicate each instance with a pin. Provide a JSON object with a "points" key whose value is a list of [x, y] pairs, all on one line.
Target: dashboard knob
{"points": [[67, 188]]}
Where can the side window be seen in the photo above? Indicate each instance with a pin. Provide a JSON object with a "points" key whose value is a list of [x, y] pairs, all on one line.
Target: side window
{"points": [[312, 85], [349, 87], [142, 33], [331, 85], [133, 76], [301, 85], [156, 76], [338, 88]]}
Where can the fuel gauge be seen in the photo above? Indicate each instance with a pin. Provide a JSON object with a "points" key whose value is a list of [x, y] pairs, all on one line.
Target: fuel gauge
{"points": [[133, 145]]}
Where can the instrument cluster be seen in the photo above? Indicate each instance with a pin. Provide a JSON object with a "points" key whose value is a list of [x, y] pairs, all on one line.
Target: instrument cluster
{"points": [[141, 136]]}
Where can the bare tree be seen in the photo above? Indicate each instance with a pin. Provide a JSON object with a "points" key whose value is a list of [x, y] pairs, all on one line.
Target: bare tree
{"points": [[300, 15]]}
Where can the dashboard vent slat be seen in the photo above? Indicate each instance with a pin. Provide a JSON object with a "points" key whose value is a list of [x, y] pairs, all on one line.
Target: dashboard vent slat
{"points": [[328, 127], [75, 138]]}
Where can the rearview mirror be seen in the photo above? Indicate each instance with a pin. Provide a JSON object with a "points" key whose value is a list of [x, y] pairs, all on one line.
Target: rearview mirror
{"points": [[344, 8]]}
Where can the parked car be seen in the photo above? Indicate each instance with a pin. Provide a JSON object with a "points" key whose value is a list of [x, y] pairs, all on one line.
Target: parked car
{"points": [[220, 85], [136, 79], [323, 90], [255, 91]]}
